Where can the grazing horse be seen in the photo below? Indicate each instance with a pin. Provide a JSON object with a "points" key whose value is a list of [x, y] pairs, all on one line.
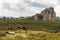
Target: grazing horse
{"points": [[9, 28], [23, 28], [56, 31]]}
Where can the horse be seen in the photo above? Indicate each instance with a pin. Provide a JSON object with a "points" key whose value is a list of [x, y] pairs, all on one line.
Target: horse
{"points": [[23, 28], [9, 28]]}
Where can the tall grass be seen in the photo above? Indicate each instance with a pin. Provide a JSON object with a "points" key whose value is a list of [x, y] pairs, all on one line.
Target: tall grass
{"points": [[33, 35], [31, 24]]}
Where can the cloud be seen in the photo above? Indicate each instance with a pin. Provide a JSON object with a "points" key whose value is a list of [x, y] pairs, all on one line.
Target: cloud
{"points": [[57, 9], [35, 4], [6, 6], [18, 8], [41, 3]]}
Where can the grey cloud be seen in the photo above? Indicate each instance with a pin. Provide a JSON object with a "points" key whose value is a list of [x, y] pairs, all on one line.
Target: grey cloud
{"points": [[36, 4], [17, 7], [58, 1], [6, 6], [39, 5]]}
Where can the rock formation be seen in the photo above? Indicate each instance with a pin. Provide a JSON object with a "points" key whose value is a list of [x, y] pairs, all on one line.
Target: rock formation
{"points": [[47, 14]]}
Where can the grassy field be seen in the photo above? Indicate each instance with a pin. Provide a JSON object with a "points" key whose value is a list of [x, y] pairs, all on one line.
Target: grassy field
{"points": [[32, 35], [31, 24], [37, 30]]}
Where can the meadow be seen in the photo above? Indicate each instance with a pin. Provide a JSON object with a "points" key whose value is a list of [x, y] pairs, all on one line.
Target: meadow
{"points": [[32, 35], [37, 30], [31, 24]]}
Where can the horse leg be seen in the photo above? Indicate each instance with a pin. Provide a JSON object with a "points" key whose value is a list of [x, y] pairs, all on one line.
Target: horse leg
{"points": [[26, 32]]}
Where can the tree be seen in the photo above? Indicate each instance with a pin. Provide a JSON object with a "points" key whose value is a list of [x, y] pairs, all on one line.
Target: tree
{"points": [[4, 17], [58, 18]]}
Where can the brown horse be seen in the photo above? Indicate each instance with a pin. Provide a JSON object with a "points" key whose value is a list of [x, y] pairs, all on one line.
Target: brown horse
{"points": [[23, 28], [9, 28]]}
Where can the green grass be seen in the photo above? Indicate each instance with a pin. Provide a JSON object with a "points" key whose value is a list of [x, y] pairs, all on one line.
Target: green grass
{"points": [[31, 24], [38, 30]]}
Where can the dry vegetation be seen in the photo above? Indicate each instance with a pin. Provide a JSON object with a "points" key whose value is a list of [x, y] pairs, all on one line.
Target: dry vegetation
{"points": [[37, 30], [32, 35]]}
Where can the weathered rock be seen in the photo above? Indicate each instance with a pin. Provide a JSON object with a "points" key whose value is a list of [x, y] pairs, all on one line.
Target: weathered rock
{"points": [[47, 14]]}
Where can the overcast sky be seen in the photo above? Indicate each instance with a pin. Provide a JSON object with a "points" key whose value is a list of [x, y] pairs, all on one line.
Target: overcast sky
{"points": [[16, 8]]}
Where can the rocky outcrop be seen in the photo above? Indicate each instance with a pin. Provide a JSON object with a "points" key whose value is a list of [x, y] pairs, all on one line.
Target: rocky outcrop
{"points": [[47, 14]]}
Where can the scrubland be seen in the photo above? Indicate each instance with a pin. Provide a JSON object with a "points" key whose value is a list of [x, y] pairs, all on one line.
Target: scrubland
{"points": [[37, 30]]}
